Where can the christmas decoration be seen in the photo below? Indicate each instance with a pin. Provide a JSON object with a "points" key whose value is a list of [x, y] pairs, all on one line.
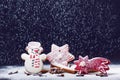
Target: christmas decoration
{"points": [[85, 65], [33, 60], [60, 56]]}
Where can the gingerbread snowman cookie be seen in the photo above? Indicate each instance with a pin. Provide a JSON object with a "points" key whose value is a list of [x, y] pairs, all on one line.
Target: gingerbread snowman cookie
{"points": [[33, 60]]}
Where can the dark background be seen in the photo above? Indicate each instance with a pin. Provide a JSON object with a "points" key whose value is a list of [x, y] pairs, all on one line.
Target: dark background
{"points": [[90, 27]]}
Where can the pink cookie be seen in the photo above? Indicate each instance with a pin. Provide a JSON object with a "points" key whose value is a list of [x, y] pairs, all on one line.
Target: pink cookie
{"points": [[60, 55], [85, 65]]}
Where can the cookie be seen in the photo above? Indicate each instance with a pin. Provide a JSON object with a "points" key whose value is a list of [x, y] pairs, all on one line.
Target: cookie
{"points": [[33, 60], [60, 55]]}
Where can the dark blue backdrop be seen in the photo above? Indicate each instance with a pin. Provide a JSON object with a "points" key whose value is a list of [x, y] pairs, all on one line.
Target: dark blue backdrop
{"points": [[90, 27]]}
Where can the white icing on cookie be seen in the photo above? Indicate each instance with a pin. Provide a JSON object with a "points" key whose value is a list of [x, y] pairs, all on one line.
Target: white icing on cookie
{"points": [[60, 55], [33, 61]]}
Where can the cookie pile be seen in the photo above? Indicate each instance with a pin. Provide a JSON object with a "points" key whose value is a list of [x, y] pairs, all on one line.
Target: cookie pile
{"points": [[59, 59]]}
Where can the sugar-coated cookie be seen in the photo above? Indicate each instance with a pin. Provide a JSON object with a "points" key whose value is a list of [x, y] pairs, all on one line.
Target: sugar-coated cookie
{"points": [[85, 65], [33, 60], [60, 55]]}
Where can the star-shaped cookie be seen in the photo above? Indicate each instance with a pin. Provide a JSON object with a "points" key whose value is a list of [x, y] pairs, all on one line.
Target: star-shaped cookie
{"points": [[81, 65], [60, 55]]}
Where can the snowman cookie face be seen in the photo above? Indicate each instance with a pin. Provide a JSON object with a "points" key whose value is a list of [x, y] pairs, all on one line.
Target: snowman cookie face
{"points": [[33, 61], [34, 48]]}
